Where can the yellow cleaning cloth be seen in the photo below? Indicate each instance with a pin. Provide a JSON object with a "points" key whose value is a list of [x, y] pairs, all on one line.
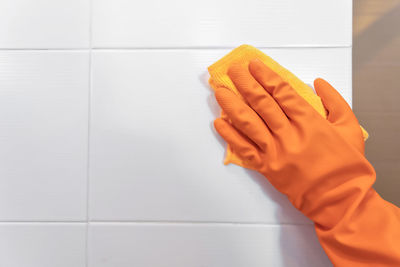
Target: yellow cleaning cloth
{"points": [[243, 55]]}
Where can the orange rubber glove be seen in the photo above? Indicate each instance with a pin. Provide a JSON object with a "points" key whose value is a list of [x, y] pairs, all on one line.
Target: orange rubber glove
{"points": [[242, 55], [317, 163]]}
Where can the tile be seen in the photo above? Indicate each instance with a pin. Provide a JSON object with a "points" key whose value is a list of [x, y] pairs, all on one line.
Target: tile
{"points": [[179, 23], [42, 244], [154, 153], [43, 135], [181, 245], [44, 24]]}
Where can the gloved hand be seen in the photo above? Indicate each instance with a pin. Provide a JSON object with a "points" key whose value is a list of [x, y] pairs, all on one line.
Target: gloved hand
{"points": [[242, 55], [279, 134], [340, 115], [317, 163]]}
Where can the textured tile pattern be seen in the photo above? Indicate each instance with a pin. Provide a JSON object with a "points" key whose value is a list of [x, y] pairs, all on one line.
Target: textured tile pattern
{"points": [[108, 154]]}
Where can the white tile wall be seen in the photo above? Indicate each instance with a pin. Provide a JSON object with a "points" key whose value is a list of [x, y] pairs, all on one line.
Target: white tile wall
{"points": [[197, 245], [209, 23], [43, 135], [42, 245], [154, 154], [44, 23], [108, 156]]}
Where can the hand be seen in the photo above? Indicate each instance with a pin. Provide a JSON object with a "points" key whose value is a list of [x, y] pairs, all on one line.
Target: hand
{"points": [[276, 132], [340, 114]]}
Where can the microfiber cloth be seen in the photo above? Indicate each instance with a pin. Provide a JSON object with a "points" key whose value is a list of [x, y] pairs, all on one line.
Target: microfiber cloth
{"points": [[243, 55]]}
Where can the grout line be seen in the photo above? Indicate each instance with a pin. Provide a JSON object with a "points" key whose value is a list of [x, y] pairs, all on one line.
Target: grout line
{"points": [[157, 223], [45, 49], [197, 223], [90, 80], [167, 48], [89, 114], [56, 222], [217, 47]]}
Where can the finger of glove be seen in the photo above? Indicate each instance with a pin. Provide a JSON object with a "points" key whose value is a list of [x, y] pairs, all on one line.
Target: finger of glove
{"points": [[337, 107], [240, 144], [243, 117], [287, 98], [340, 114], [258, 98]]}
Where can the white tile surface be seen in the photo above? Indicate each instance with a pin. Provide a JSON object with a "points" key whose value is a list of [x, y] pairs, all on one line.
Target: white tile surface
{"points": [[195, 245], [154, 154], [182, 23], [42, 245], [43, 135], [44, 23]]}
